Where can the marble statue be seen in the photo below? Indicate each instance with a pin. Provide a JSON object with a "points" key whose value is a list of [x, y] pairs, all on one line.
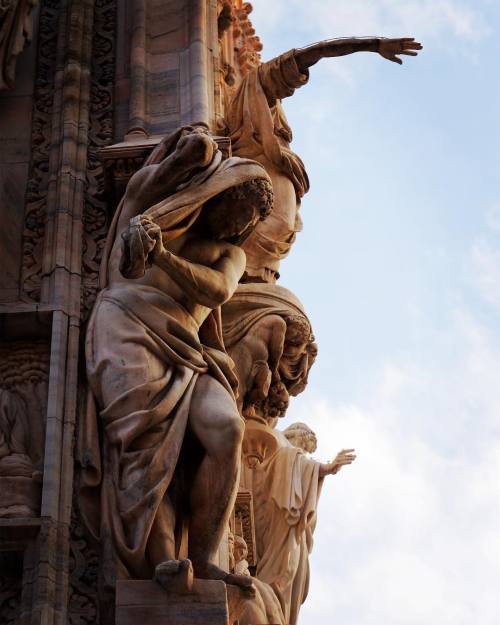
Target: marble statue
{"points": [[269, 337], [256, 123], [20, 478], [286, 488], [163, 403], [264, 607], [16, 27]]}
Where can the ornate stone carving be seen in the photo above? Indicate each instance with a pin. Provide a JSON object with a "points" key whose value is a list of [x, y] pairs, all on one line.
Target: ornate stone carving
{"points": [[239, 49], [244, 524], [97, 200], [16, 28], [83, 606], [23, 397], [247, 43], [41, 137]]}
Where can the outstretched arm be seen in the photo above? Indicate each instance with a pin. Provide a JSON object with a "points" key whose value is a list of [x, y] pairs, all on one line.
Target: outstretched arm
{"points": [[390, 49], [281, 76], [344, 457]]}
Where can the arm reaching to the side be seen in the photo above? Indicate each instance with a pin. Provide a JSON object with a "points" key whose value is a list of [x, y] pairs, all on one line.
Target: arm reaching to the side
{"points": [[344, 457], [390, 49]]}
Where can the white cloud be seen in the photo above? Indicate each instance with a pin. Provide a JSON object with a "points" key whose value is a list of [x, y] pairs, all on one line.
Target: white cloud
{"points": [[408, 535], [486, 271], [429, 19], [493, 217]]}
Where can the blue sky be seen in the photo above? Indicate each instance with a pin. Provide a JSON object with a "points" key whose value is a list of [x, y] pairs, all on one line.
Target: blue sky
{"points": [[398, 267]]}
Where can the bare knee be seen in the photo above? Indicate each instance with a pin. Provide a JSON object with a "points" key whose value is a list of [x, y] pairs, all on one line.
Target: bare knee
{"points": [[221, 436], [214, 419], [232, 430]]}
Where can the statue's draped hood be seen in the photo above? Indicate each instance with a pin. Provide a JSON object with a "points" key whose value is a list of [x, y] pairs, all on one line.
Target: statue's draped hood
{"points": [[252, 302], [177, 212]]}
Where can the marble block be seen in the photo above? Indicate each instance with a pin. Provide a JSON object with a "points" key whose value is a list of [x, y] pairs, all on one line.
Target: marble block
{"points": [[147, 603]]}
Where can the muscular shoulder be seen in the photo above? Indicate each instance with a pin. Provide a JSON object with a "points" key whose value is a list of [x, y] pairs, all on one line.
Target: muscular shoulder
{"points": [[139, 179], [198, 249]]}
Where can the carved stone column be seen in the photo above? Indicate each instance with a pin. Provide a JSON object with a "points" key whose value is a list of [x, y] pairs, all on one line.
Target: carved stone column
{"points": [[50, 314]]}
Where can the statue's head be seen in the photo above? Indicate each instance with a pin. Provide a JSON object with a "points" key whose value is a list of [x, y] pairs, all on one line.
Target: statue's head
{"points": [[299, 353], [233, 214], [300, 435], [240, 549], [298, 334], [230, 545]]}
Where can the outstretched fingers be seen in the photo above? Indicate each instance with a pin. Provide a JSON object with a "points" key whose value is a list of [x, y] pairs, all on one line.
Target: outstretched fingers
{"points": [[391, 49]]}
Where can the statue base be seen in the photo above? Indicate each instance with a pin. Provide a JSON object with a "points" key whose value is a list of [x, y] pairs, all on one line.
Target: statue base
{"points": [[20, 497], [148, 603]]}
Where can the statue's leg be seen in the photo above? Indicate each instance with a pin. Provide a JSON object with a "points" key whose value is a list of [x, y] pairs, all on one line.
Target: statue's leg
{"points": [[215, 422]]}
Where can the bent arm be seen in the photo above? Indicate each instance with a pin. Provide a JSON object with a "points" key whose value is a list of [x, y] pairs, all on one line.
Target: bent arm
{"points": [[208, 286], [153, 183]]}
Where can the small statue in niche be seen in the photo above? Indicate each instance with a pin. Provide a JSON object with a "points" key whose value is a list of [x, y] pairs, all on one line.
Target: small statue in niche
{"points": [[14, 437], [286, 487], [16, 29], [256, 123], [264, 607], [161, 380], [20, 480], [240, 556]]}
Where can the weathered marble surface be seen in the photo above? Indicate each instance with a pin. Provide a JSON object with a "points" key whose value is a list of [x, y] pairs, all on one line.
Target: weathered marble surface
{"points": [[162, 383], [176, 63], [146, 602], [270, 339]]}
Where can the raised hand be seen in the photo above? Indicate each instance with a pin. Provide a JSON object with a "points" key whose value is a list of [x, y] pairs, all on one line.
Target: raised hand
{"points": [[344, 457], [391, 49], [141, 246], [154, 247]]}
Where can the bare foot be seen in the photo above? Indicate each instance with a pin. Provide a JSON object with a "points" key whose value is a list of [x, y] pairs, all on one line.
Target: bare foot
{"points": [[210, 571], [175, 575]]}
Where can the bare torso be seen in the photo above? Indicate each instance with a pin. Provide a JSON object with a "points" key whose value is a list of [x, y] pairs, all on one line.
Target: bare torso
{"points": [[189, 246]]}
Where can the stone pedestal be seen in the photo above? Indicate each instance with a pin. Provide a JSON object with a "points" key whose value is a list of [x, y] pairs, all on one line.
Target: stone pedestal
{"points": [[147, 603]]}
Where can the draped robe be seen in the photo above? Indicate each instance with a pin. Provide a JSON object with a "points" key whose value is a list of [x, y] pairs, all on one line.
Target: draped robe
{"points": [[144, 354], [286, 488], [257, 125]]}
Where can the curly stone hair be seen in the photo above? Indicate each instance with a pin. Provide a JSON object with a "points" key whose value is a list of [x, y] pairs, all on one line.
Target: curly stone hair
{"points": [[258, 192]]}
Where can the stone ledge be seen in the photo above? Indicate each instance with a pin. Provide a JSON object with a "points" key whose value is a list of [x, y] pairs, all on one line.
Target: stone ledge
{"points": [[147, 603]]}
